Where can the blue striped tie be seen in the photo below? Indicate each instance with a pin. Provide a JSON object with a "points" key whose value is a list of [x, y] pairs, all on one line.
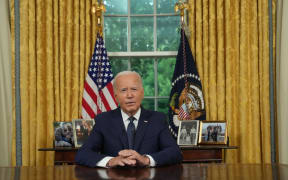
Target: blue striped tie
{"points": [[131, 132]]}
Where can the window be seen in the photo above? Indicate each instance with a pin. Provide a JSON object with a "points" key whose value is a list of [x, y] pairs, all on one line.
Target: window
{"points": [[142, 35]]}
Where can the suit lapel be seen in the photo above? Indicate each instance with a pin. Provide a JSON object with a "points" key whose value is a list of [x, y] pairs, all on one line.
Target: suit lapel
{"points": [[121, 132], [141, 129]]}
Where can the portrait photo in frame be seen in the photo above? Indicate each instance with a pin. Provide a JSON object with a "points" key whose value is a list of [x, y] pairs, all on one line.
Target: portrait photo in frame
{"points": [[63, 134], [188, 133], [82, 129], [213, 132]]}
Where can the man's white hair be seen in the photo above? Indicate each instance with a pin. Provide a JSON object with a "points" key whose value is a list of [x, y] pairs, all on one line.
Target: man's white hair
{"points": [[126, 73]]}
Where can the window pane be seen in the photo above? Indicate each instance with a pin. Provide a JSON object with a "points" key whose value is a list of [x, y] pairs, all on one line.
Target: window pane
{"points": [[116, 6], [141, 6], [142, 34], [167, 33], [118, 65], [145, 67], [165, 6], [163, 105], [148, 104], [115, 33], [165, 74]]}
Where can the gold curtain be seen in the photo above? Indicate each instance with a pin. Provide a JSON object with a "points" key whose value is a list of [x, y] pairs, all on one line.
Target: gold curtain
{"points": [[56, 43], [230, 42]]}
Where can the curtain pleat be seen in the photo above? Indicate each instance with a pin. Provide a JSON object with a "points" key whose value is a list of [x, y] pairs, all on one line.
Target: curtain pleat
{"points": [[232, 56], [220, 62]]}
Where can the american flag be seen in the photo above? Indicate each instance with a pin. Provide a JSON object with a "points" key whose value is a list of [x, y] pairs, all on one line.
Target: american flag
{"points": [[98, 93], [183, 112]]}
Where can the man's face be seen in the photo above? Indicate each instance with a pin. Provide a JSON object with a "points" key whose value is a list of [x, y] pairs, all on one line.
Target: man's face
{"points": [[129, 93]]}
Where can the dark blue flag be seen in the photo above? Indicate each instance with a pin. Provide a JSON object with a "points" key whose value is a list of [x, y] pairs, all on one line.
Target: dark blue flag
{"points": [[186, 98]]}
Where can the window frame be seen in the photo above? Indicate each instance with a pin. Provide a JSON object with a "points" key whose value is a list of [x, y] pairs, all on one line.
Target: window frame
{"points": [[155, 54]]}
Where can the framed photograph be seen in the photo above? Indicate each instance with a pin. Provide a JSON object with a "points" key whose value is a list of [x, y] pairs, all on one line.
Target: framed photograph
{"points": [[82, 129], [188, 132], [63, 134], [213, 132]]}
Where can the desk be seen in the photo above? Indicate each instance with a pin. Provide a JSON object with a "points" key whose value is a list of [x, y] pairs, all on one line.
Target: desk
{"points": [[208, 153], [185, 171]]}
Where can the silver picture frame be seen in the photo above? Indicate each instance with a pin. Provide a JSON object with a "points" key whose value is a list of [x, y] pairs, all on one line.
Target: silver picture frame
{"points": [[188, 133]]}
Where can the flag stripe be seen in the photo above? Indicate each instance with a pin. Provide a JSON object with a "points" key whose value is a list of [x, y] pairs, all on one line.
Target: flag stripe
{"points": [[87, 109], [100, 107], [92, 85], [89, 93], [84, 114], [109, 98], [90, 101], [110, 88], [104, 101]]}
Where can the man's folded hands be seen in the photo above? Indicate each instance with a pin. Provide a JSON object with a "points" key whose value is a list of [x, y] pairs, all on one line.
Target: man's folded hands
{"points": [[128, 157]]}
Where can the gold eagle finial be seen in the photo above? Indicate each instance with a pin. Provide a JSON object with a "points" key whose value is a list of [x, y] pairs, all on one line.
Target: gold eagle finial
{"points": [[181, 6], [98, 8]]}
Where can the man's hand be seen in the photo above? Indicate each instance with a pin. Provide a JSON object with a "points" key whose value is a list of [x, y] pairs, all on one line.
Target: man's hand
{"points": [[141, 160], [121, 161]]}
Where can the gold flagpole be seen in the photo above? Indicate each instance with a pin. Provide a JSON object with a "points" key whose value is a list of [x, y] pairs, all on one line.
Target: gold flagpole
{"points": [[98, 8], [182, 6]]}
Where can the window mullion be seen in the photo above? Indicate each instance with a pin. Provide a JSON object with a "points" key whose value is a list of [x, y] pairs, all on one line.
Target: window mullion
{"points": [[155, 83], [129, 27], [129, 63], [155, 25]]}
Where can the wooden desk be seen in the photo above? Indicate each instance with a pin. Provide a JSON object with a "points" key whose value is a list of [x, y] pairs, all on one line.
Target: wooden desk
{"points": [[206, 153], [63, 155], [208, 171]]}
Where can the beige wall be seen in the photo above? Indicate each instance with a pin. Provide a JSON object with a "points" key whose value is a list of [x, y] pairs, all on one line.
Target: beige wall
{"points": [[5, 86], [282, 79]]}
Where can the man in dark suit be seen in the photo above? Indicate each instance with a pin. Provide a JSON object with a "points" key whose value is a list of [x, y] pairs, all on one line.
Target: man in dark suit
{"points": [[129, 135]]}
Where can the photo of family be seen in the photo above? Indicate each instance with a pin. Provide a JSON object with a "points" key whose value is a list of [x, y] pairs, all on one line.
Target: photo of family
{"points": [[63, 134], [188, 132], [82, 129], [213, 132]]}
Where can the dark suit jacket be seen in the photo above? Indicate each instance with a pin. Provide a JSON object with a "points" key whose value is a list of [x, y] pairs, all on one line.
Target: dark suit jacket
{"points": [[109, 136]]}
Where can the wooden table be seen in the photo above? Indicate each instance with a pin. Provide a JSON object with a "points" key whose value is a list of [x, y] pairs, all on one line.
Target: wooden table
{"points": [[207, 153], [207, 171]]}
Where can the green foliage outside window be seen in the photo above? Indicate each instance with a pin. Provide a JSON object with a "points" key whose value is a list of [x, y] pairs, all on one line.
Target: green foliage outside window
{"points": [[165, 73], [147, 28], [141, 7], [145, 67], [116, 34]]}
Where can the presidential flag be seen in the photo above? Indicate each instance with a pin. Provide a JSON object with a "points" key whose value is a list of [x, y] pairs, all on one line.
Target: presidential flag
{"points": [[186, 98], [98, 93]]}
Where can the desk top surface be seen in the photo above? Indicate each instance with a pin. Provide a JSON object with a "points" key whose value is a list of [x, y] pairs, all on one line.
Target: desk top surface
{"points": [[199, 147], [182, 171]]}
